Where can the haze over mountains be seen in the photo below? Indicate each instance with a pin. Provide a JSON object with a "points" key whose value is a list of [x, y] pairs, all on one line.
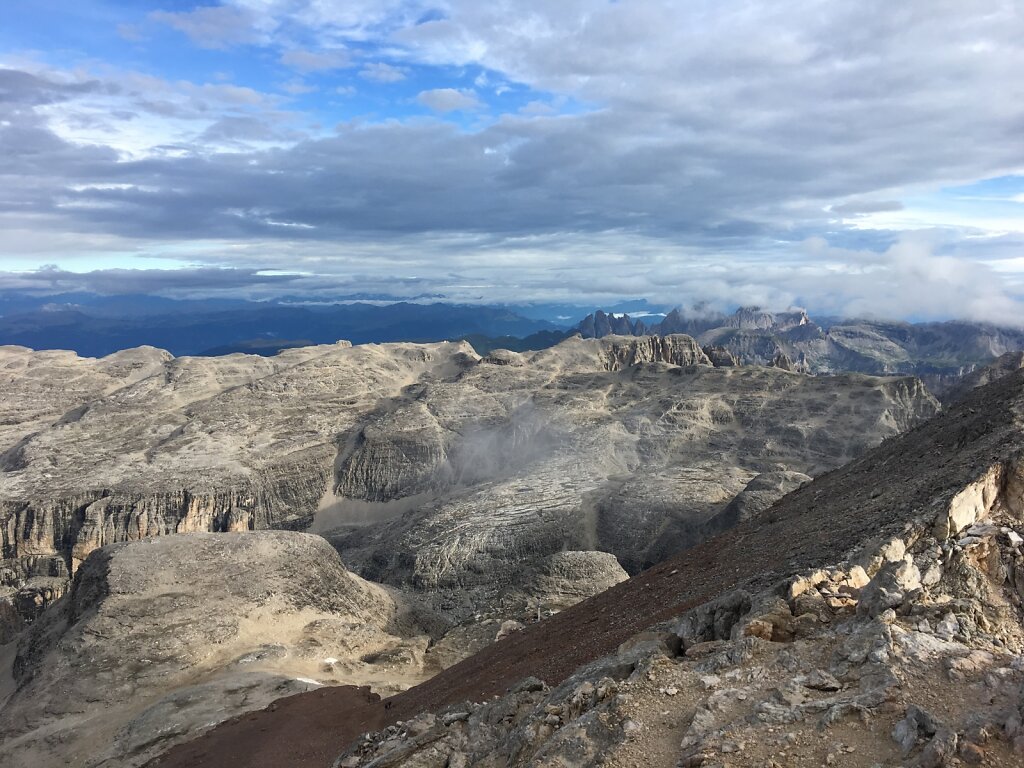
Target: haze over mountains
{"points": [[96, 325]]}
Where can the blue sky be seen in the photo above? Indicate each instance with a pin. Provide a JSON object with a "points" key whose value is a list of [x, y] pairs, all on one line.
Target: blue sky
{"points": [[861, 159]]}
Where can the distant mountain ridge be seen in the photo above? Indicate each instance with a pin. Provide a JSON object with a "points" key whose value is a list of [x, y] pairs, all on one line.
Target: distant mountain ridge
{"points": [[94, 329], [938, 352]]}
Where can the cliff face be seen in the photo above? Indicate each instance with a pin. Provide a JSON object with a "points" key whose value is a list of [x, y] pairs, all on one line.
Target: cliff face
{"points": [[161, 638], [69, 527], [674, 350], [140, 444]]}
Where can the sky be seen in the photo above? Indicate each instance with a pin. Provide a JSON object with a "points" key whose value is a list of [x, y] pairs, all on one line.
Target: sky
{"points": [[852, 158]]}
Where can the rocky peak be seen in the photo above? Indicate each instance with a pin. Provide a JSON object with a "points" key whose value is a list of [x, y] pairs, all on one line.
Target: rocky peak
{"points": [[676, 349], [599, 324], [754, 318]]}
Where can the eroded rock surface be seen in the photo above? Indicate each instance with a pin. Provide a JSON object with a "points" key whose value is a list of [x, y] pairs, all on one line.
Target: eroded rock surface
{"points": [[872, 616], [906, 650], [432, 468], [162, 638], [590, 447], [140, 444]]}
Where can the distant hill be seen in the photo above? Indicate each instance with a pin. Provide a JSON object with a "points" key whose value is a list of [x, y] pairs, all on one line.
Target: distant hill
{"points": [[94, 328]]}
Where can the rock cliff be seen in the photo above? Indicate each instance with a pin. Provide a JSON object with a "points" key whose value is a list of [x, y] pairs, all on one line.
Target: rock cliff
{"points": [[141, 444], [163, 638]]}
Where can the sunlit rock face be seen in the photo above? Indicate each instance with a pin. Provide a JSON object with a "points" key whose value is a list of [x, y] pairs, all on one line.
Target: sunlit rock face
{"points": [[159, 639], [462, 466]]}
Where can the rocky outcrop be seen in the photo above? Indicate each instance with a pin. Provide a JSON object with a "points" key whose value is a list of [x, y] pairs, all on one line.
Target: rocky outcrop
{"points": [[806, 677], [599, 325], [906, 648], [162, 638], [673, 350], [720, 357], [566, 578], [756, 497], [1003, 365], [141, 444], [755, 318]]}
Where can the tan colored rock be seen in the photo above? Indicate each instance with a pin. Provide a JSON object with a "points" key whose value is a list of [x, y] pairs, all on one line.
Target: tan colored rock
{"points": [[161, 638], [970, 505]]}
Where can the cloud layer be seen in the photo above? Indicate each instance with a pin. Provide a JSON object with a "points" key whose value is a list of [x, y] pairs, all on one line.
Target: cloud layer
{"points": [[731, 150]]}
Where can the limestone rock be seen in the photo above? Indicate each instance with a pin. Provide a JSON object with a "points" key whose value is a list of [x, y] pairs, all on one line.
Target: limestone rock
{"points": [[430, 468], [889, 587], [566, 578], [720, 357], [161, 638]]}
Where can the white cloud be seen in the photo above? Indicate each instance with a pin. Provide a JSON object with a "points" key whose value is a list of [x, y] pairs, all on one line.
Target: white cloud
{"points": [[316, 61], [130, 32], [297, 87], [381, 72], [219, 26], [449, 100], [693, 148]]}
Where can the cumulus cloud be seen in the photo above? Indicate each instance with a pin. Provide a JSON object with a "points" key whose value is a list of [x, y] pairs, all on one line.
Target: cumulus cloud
{"points": [[916, 277], [51, 279], [381, 72], [315, 61], [449, 100], [859, 208], [215, 26], [18, 87], [735, 150], [243, 129]]}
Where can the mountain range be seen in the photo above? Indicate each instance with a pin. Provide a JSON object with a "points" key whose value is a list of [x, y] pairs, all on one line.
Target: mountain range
{"points": [[585, 531], [818, 569], [938, 352], [95, 325]]}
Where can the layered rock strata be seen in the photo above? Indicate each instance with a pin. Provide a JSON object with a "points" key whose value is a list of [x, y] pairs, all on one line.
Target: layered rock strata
{"points": [[904, 647], [160, 639], [629, 445]]}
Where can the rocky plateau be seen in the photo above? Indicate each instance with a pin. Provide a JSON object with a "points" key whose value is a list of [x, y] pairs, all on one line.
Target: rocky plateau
{"points": [[474, 522], [429, 467], [873, 617]]}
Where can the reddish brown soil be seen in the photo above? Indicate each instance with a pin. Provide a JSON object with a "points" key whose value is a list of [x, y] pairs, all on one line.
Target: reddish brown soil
{"points": [[812, 527]]}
